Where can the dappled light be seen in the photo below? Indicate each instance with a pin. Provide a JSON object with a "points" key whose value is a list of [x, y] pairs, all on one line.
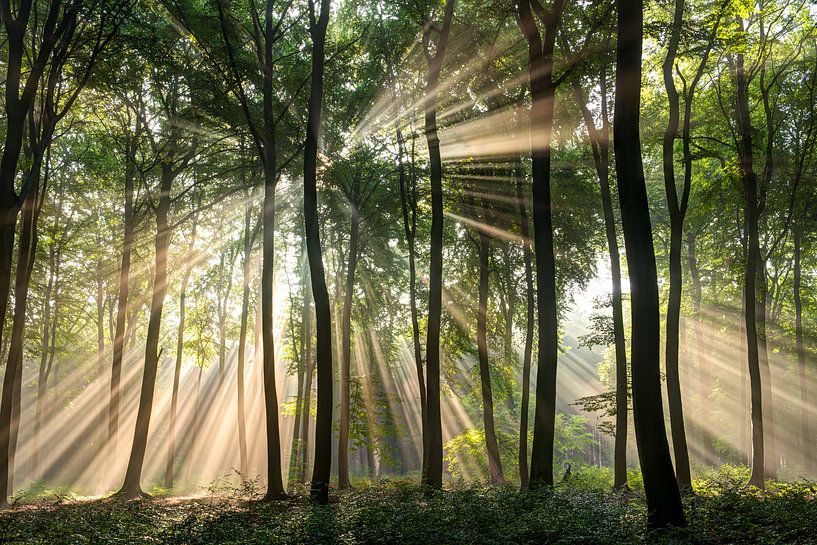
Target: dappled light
{"points": [[408, 272]]}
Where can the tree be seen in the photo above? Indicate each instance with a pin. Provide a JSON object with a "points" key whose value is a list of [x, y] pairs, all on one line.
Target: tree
{"points": [[543, 93], [318, 23], [663, 496], [433, 472]]}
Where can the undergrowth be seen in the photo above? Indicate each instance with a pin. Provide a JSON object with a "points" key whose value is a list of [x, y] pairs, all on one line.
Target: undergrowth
{"points": [[395, 511]]}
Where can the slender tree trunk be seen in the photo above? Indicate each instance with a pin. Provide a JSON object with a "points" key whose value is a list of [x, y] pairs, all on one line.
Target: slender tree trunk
{"points": [[744, 379], [704, 373], [491, 445], [323, 426], [408, 201], [275, 485], [102, 432], [346, 345], [309, 371], [806, 441], [676, 212], [295, 449], [752, 305], [47, 347], [600, 143], [177, 370], [242, 344], [122, 301], [131, 488], [663, 496], [10, 404], [543, 94], [761, 315], [15, 109], [12, 382], [433, 479], [529, 318]]}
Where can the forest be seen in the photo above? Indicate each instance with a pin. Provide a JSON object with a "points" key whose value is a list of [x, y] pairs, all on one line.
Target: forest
{"points": [[408, 271]]}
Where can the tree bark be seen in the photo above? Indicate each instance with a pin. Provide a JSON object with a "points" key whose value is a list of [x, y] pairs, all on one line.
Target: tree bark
{"points": [[663, 496], [806, 439], [242, 344], [491, 445], [677, 211], [323, 427], [346, 345], [530, 309], [433, 478], [543, 94], [12, 382], [309, 371], [131, 487], [122, 300], [408, 202], [600, 144], [752, 305]]}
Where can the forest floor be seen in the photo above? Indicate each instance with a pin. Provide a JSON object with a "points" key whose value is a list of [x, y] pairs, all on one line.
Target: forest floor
{"points": [[395, 511]]}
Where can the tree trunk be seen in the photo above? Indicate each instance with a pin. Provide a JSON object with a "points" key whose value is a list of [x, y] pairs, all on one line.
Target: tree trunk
{"points": [[543, 94], [323, 426], [806, 441], [600, 143], [530, 309], [309, 370], [676, 213], [704, 373], [761, 315], [122, 300], [752, 305], [177, 370], [346, 345], [491, 445], [49, 333], [663, 496], [408, 202], [275, 485], [131, 488], [433, 478], [102, 432], [242, 344], [12, 382]]}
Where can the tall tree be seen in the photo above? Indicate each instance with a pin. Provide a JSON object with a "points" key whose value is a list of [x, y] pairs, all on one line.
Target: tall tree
{"points": [[600, 146], [491, 445], [433, 473], [174, 155], [408, 206], [530, 309], [543, 93], [318, 23], [354, 198], [677, 211], [753, 304], [57, 39], [663, 496]]}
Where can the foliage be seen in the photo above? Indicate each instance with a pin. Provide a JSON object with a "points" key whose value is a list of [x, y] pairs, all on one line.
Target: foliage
{"points": [[467, 459], [397, 512]]}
